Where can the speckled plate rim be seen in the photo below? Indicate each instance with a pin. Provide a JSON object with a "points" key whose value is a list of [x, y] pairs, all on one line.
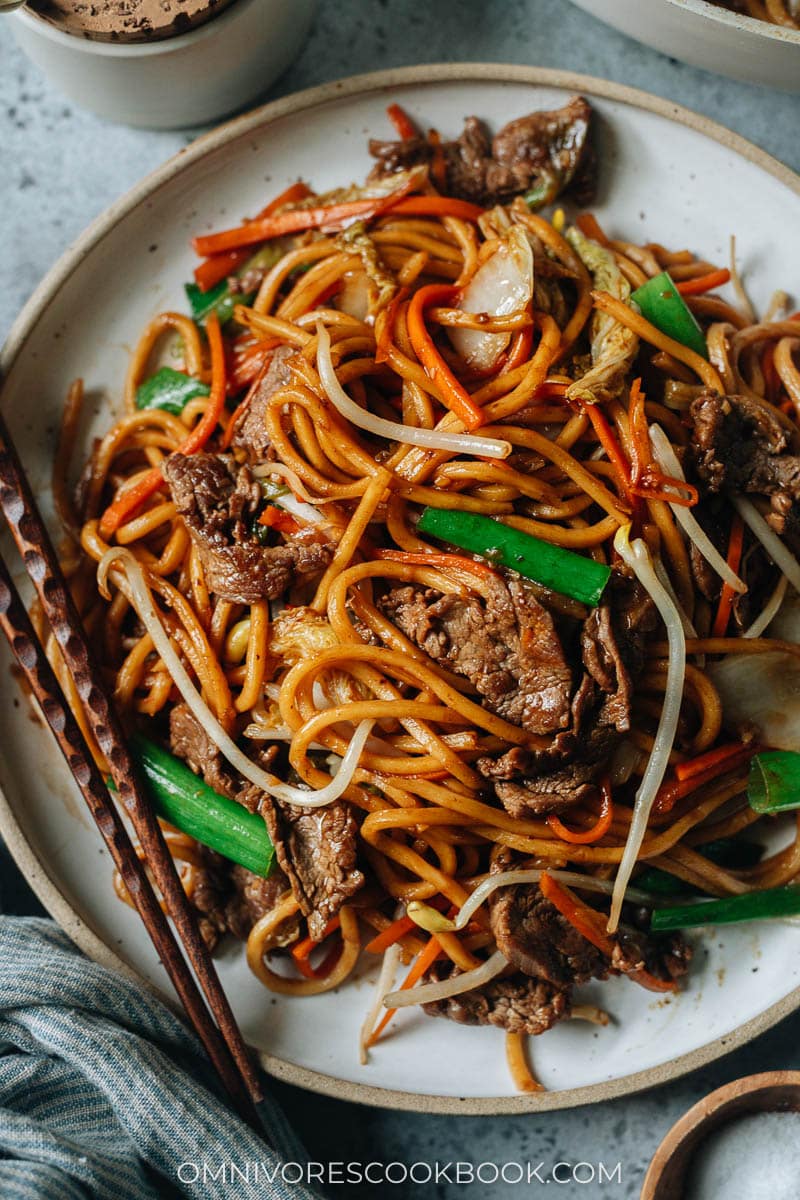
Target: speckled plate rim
{"points": [[78, 927], [737, 20]]}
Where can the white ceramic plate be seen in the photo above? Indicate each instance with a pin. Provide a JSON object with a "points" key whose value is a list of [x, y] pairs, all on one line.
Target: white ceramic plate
{"points": [[667, 175], [708, 36]]}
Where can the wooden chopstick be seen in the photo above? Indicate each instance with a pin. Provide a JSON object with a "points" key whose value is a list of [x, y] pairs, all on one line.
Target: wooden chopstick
{"points": [[224, 1041]]}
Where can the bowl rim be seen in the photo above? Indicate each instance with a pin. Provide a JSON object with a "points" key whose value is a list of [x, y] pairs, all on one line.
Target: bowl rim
{"points": [[36, 871], [705, 1111], [742, 22], [40, 26]]}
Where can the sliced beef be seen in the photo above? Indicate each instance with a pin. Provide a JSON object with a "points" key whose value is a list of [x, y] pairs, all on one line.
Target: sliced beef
{"points": [[189, 741], [666, 957], [316, 847], [250, 431], [548, 152], [531, 782], [219, 503], [508, 648], [518, 1004], [538, 941], [252, 897]]}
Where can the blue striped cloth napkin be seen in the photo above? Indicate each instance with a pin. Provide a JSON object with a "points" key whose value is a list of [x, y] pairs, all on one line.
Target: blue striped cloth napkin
{"points": [[105, 1094]]}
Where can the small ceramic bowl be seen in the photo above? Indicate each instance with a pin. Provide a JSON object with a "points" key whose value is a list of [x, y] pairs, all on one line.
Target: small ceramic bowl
{"points": [[181, 81], [708, 36], [774, 1091]]}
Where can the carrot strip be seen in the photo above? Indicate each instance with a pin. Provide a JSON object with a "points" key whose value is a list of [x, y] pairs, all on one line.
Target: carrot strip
{"points": [[402, 122], [727, 594], [299, 219], [703, 283], [426, 958], [520, 350], [712, 758], [611, 446], [586, 837], [220, 266], [588, 922], [591, 228], [391, 934], [303, 948], [551, 389], [276, 518], [675, 789], [453, 394], [131, 498]]}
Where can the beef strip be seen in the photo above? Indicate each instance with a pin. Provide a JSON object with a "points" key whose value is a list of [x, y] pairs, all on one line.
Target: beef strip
{"points": [[529, 782], [316, 847], [231, 899], [739, 446], [518, 1004], [508, 648], [250, 430], [538, 941], [219, 504], [664, 956], [548, 152]]}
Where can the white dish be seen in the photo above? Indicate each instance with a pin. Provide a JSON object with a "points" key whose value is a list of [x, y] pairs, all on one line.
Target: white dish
{"points": [[708, 36], [188, 80], [668, 175]]}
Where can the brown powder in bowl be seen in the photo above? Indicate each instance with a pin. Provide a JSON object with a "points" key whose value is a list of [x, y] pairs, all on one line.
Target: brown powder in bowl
{"points": [[127, 20]]}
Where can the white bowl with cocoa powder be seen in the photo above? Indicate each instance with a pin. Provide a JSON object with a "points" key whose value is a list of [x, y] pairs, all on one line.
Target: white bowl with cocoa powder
{"points": [[171, 65]]}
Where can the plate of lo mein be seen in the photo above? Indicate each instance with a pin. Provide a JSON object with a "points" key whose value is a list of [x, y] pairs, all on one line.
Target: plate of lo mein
{"points": [[424, 455]]}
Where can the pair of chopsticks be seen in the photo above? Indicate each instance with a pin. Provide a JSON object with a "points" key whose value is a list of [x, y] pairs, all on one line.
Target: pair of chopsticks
{"points": [[213, 1021]]}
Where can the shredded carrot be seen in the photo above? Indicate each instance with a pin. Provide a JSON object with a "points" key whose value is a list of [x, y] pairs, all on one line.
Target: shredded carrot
{"points": [[435, 559], [333, 216], [703, 283], [590, 227], [452, 393], [220, 266], [727, 594], [551, 389], [250, 362], [675, 789], [520, 350], [585, 837], [402, 122], [303, 948], [587, 920], [438, 163], [426, 958], [608, 441], [712, 758], [277, 518], [391, 934], [647, 481], [131, 498]]}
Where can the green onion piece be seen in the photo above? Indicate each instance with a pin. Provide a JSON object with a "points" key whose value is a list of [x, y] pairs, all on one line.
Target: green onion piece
{"points": [[551, 566], [183, 799], [774, 781], [219, 299], [662, 305], [725, 852], [169, 389], [752, 906]]}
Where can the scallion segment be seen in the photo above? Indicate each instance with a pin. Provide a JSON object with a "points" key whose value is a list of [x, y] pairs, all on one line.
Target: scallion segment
{"points": [[551, 566], [169, 389], [773, 785], [183, 799], [220, 298], [662, 305], [752, 906]]}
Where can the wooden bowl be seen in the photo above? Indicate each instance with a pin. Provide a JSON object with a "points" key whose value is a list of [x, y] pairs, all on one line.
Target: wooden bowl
{"points": [[774, 1091]]}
